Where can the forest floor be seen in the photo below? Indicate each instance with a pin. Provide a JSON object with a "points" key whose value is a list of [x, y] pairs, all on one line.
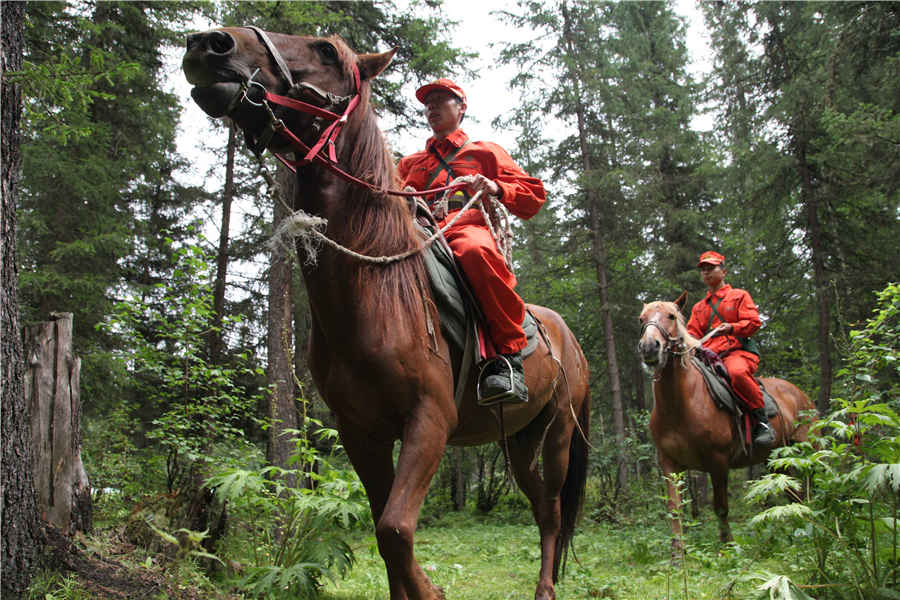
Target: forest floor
{"points": [[85, 567], [488, 557], [471, 557]]}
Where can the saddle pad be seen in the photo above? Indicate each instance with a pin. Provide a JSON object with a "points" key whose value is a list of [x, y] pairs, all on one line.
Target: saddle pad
{"points": [[454, 300], [724, 395]]}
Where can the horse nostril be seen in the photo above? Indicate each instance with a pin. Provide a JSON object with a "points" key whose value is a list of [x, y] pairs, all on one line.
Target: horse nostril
{"points": [[215, 42], [220, 42]]}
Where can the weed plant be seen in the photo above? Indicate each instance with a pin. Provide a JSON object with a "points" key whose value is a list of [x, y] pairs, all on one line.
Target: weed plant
{"points": [[845, 527], [292, 539]]}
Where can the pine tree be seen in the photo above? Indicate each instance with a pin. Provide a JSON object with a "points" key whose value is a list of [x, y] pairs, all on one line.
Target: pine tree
{"points": [[613, 80], [804, 89]]}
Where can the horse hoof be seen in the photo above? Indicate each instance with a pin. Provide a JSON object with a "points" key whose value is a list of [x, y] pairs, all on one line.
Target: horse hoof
{"points": [[543, 593]]}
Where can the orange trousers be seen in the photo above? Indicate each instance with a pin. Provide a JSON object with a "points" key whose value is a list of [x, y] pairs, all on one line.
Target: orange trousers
{"points": [[492, 282], [741, 366]]}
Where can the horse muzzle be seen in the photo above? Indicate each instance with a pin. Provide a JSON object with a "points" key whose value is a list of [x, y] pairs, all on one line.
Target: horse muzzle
{"points": [[651, 351], [211, 66]]}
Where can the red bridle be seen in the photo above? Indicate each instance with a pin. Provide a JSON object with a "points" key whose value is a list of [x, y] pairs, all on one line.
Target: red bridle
{"points": [[329, 136]]}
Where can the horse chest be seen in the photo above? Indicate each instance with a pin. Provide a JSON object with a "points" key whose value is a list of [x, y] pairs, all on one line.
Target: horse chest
{"points": [[691, 445]]}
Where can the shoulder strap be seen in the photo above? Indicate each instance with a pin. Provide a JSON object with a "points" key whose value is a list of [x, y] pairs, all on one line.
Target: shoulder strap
{"points": [[714, 312], [444, 166]]}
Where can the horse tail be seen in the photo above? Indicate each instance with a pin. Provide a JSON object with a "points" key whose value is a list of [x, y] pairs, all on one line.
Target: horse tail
{"points": [[572, 493]]}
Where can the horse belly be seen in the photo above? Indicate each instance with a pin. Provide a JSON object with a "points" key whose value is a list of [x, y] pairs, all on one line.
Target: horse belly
{"points": [[699, 451]]}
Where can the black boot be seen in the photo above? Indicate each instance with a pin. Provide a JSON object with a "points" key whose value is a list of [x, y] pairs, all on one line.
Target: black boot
{"points": [[503, 380], [763, 434]]}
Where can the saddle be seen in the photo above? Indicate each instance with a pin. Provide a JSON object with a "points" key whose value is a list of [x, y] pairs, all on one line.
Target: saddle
{"points": [[462, 322], [719, 385]]}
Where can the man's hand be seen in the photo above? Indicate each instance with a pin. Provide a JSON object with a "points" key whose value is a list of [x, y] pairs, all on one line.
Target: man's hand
{"points": [[480, 183], [723, 329]]}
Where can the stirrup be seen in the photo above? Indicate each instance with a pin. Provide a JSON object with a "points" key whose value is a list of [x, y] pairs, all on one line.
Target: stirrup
{"points": [[765, 431], [513, 394]]}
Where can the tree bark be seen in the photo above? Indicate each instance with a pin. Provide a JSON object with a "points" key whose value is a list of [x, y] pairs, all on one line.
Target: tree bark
{"points": [[216, 342], [52, 391], [283, 413], [22, 536]]}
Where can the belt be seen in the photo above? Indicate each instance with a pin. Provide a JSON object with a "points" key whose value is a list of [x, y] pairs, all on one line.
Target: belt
{"points": [[454, 202]]}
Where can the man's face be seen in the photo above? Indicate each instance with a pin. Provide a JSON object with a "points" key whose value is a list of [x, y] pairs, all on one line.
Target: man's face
{"points": [[711, 274], [443, 111]]}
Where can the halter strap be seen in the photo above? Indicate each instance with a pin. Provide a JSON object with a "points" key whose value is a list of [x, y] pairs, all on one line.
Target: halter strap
{"points": [[674, 345], [274, 54], [328, 136]]}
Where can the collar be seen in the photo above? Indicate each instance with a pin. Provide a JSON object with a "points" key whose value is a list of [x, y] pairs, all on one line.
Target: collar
{"points": [[454, 140], [719, 293]]}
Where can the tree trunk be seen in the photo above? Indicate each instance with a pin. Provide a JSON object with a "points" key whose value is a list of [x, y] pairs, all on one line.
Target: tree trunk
{"points": [[216, 342], [283, 413], [823, 302], [22, 535], [600, 262], [698, 486], [52, 391]]}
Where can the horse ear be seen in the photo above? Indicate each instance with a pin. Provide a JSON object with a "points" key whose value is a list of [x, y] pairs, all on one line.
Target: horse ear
{"points": [[682, 299], [370, 65]]}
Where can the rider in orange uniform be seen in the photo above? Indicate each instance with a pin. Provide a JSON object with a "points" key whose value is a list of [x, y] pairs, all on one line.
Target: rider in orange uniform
{"points": [[449, 154], [733, 317]]}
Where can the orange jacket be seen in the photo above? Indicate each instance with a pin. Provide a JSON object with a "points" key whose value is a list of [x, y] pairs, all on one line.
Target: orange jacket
{"points": [[736, 307], [522, 195]]}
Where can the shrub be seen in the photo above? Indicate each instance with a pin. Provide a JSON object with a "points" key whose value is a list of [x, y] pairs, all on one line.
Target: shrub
{"points": [[851, 464], [294, 537]]}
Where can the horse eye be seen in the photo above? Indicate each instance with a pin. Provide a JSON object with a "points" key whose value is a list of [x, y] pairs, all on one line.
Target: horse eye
{"points": [[671, 317], [329, 53]]}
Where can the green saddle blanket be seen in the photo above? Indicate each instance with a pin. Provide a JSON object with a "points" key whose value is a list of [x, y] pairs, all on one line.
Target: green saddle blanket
{"points": [[723, 394]]}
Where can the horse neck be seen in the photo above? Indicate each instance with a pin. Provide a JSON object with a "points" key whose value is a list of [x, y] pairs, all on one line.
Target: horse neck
{"points": [[344, 288], [672, 387]]}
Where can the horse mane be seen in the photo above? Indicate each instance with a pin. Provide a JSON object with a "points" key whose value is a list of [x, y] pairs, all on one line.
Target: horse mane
{"points": [[379, 224]]}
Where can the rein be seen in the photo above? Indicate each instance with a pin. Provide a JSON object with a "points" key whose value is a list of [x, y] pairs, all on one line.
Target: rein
{"points": [[328, 137]]}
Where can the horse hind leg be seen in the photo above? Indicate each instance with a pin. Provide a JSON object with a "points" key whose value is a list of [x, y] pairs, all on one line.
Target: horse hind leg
{"points": [[556, 497], [720, 503], [543, 494]]}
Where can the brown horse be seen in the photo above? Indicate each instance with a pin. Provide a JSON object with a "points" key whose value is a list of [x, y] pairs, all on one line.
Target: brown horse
{"points": [[689, 430], [382, 367]]}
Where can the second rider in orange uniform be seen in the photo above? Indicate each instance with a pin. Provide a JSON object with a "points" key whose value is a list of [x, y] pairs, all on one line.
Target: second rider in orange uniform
{"points": [[733, 317]]}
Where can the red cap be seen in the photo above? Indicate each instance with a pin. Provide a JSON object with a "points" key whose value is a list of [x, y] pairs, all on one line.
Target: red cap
{"points": [[441, 84], [713, 258]]}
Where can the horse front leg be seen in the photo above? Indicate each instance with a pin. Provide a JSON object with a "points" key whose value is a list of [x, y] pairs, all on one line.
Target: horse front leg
{"points": [[424, 439], [720, 503], [373, 461], [673, 503]]}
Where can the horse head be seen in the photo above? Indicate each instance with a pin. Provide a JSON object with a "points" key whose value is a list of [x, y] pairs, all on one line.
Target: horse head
{"points": [[236, 70], [662, 331]]}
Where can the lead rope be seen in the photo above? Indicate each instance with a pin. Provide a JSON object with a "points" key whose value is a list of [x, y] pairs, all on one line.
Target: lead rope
{"points": [[308, 228]]}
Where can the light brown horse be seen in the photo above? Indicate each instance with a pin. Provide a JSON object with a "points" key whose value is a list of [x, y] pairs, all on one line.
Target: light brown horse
{"points": [[382, 367], [689, 430]]}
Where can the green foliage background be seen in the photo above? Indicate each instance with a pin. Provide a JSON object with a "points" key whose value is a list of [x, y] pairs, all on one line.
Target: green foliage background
{"points": [[797, 183]]}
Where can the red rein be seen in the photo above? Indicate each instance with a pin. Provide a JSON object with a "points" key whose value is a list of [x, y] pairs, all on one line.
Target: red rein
{"points": [[328, 138]]}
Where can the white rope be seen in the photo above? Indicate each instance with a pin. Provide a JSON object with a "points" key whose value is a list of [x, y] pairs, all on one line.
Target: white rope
{"points": [[308, 229]]}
